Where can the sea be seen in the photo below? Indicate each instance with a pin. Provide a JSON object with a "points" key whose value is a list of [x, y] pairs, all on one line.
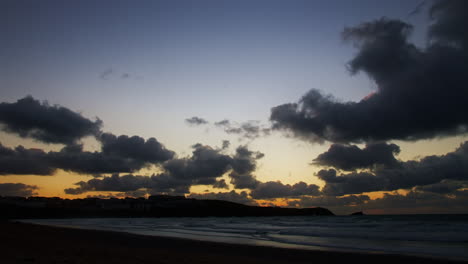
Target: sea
{"points": [[442, 236]]}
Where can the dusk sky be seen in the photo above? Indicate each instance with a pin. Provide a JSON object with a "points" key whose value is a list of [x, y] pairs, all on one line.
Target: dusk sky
{"points": [[348, 105]]}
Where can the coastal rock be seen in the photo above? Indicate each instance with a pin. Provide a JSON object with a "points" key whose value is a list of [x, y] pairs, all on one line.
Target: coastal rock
{"points": [[358, 213]]}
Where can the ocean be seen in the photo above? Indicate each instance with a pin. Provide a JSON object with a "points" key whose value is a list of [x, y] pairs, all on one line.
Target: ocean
{"points": [[444, 236]]}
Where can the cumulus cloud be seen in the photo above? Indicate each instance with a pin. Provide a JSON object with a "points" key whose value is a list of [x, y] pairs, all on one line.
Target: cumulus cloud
{"points": [[73, 158], [17, 189], [243, 164], [135, 147], [205, 166], [196, 121], [115, 183], [409, 174], [421, 91], [351, 157], [23, 161], [121, 154], [276, 189], [29, 117]]}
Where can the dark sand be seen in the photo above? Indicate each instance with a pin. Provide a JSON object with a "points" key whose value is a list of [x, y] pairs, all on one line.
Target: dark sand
{"points": [[27, 243]]}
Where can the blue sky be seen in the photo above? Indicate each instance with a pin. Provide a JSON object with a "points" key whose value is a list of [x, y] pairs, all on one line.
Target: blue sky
{"points": [[215, 59], [143, 67]]}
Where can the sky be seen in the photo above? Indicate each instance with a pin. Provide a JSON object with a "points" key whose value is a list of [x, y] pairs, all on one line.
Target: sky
{"points": [[349, 105]]}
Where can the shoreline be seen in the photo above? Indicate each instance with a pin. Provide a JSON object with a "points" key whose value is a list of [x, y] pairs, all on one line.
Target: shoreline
{"points": [[32, 243]]}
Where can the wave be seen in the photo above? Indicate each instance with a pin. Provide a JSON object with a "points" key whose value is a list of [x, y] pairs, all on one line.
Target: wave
{"points": [[445, 236]]}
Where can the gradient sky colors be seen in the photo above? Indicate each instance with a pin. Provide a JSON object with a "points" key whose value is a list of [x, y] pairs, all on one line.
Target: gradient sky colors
{"points": [[145, 67]]}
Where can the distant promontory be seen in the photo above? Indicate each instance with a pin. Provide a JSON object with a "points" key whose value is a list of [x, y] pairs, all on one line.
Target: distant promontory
{"points": [[154, 206]]}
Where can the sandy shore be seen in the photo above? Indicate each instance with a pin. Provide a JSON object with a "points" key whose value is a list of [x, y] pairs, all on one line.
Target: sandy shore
{"points": [[27, 243]]}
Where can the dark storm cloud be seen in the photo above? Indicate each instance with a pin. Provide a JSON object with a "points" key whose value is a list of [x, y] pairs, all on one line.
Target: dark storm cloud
{"points": [[350, 157], [276, 189], [196, 121], [22, 161], [51, 124], [17, 189], [135, 147], [249, 129], [231, 196], [421, 92], [451, 22], [409, 174]]}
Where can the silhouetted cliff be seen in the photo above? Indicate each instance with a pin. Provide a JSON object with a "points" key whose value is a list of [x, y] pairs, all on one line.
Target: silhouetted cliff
{"points": [[155, 206]]}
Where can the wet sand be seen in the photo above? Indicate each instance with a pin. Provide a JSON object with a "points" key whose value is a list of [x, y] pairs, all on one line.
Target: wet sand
{"points": [[28, 243]]}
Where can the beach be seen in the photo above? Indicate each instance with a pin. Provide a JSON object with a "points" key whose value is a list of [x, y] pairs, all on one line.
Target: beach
{"points": [[29, 243]]}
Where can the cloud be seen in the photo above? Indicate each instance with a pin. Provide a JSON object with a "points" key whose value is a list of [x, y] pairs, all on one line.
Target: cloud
{"points": [[417, 9], [73, 158], [220, 184], [17, 189], [421, 202], [111, 73], [22, 161], [231, 196], [124, 183], [421, 91], [350, 157], [205, 166], [135, 147], [276, 189], [50, 124], [409, 174], [106, 73], [225, 144], [196, 121], [443, 187], [121, 154], [243, 164], [250, 129], [415, 201]]}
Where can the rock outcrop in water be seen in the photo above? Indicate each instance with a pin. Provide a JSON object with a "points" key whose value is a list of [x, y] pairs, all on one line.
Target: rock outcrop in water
{"points": [[155, 206], [358, 213]]}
